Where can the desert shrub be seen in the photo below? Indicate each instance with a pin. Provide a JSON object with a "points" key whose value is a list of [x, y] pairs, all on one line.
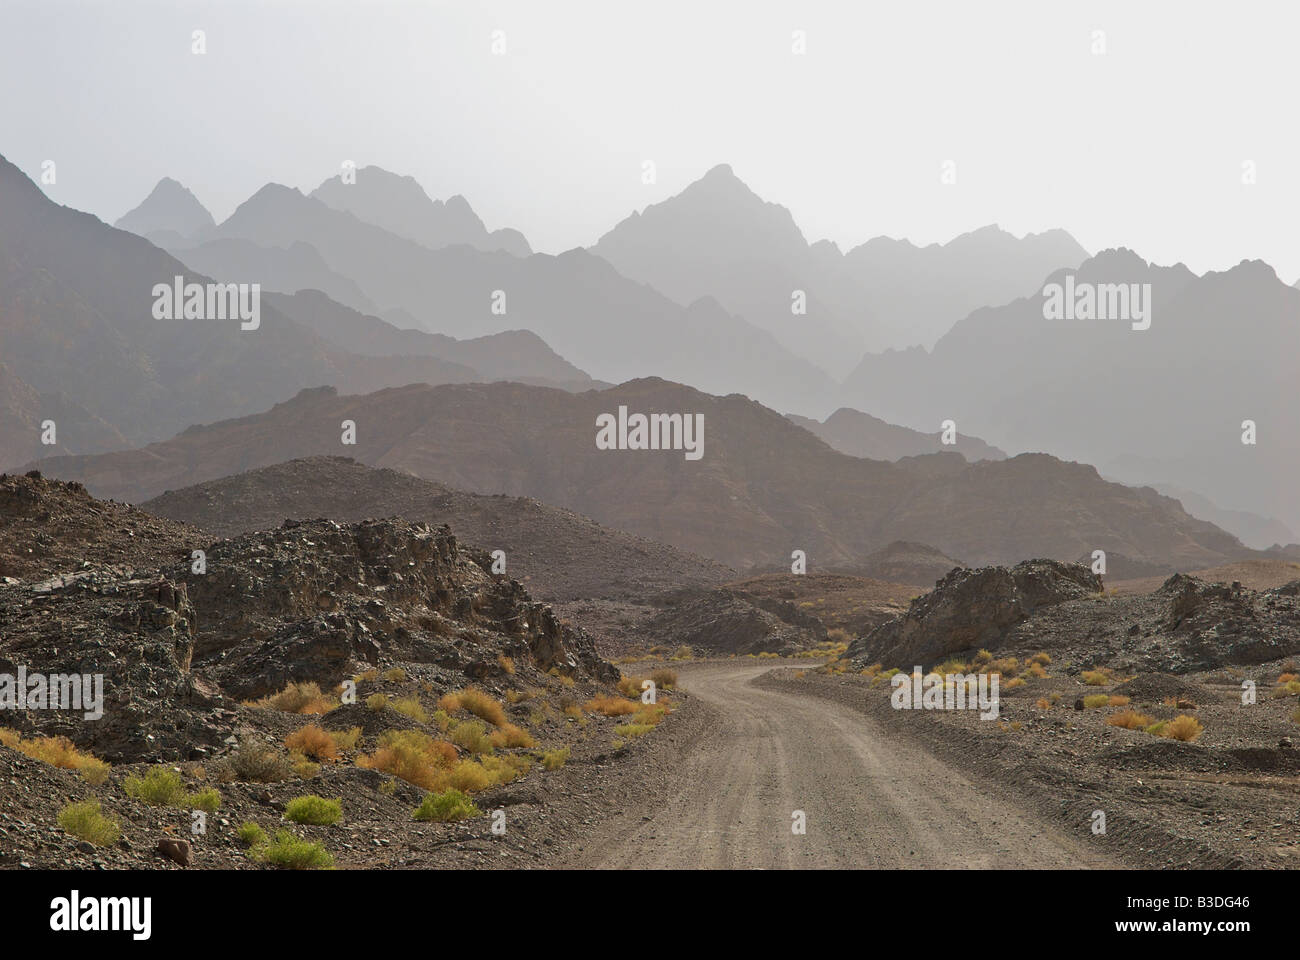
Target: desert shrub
{"points": [[1289, 689], [506, 664], [289, 852], [651, 713], [58, 752], [207, 800], [1041, 658], [85, 821], [982, 657], [512, 736], [1296, 716], [1096, 678], [1096, 700], [346, 739], [1117, 701], [610, 706], [1157, 729], [471, 735], [376, 702], [313, 741], [298, 698], [1043, 704], [395, 675], [314, 810], [950, 666], [633, 729], [1186, 728], [257, 762], [1129, 720], [411, 755], [629, 686], [554, 759], [410, 707], [664, 678], [449, 805], [684, 653], [474, 701], [250, 834], [160, 787], [1007, 666], [302, 766], [1015, 682], [1037, 671]]}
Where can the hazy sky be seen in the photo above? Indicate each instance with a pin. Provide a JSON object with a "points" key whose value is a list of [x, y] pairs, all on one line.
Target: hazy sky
{"points": [[1141, 147]]}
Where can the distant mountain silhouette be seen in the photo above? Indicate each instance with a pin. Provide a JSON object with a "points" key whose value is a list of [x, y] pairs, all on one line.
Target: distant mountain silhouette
{"points": [[1162, 405], [79, 339], [299, 266], [511, 355], [1253, 530], [718, 238], [612, 327], [763, 487], [169, 208], [862, 435], [400, 205]]}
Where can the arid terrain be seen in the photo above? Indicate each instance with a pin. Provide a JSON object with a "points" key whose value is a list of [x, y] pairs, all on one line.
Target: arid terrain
{"points": [[379, 664]]}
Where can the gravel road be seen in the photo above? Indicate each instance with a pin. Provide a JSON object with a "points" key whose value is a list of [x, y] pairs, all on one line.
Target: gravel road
{"points": [[870, 800]]}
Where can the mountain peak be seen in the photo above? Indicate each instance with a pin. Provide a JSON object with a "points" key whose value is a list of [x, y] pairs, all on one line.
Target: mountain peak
{"points": [[170, 206]]}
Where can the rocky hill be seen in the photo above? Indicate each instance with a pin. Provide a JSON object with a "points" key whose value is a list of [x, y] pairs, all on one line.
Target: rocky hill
{"points": [[558, 554], [762, 488], [862, 435]]}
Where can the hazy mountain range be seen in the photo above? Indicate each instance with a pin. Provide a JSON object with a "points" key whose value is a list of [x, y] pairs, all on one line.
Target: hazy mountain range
{"points": [[718, 238], [1161, 405], [764, 487]]}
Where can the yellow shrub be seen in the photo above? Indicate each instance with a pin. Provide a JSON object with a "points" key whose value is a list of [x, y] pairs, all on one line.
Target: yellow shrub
{"points": [[510, 735], [476, 702], [298, 698], [1186, 728], [609, 706], [312, 741], [58, 752], [1129, 720]]}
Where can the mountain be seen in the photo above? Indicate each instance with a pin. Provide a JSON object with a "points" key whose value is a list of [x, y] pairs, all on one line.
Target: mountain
{"points": [[1254, 531], [614, 328], [762, 487], [299, 266], [77, 328], [557, 554], [1160, 405], [169, 208], [400, 206], [862, 435], [511, 355], [718, 238]]}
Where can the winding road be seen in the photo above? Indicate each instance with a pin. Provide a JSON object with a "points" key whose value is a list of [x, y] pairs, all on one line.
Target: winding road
{"points": [[871, 801]]}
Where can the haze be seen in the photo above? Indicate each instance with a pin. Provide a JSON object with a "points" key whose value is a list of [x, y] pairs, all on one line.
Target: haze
{"points": [[1142, 147]]}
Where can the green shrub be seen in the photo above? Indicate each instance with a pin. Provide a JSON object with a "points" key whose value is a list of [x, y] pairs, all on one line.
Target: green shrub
{"points": [[160, 787], [251, 834], [446, 806], [314, 810], [291, 853], [207, 800], [85, 821]]}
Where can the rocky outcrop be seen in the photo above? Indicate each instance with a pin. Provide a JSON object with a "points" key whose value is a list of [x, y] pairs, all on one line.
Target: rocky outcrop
{"points": [[969, 609]]}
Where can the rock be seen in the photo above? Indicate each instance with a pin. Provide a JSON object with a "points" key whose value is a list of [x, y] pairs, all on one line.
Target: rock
{"points": [[973, 608], [1284, 744], [1078, 704], [178, 851]]}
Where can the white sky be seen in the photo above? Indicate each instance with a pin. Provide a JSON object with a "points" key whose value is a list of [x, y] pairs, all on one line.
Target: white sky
{"points": [[1141, 147]]}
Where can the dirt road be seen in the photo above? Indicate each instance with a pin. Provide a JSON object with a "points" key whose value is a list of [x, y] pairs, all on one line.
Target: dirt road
{"points": [[870, 800]]}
